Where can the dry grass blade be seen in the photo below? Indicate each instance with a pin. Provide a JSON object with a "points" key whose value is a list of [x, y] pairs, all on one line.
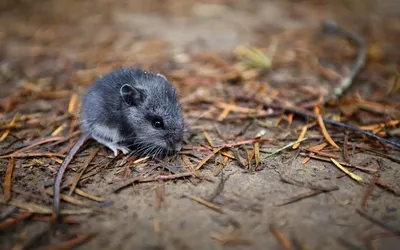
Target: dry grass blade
{"points": [[208, 157], [160, 195], [158, 178], [282, 239], [381, 224], [92, 154], [37, 143], [239, 143], [387, 188], [257, 153], [254, 57], [58, 130], [206, 203], [368, 190], [221, 166], [225, 112], [89, 196], [319, 146], [67, 198], [323, 153], [373, 127], [283, 148], [187, 162], [306, 195], [228, 154], [325, 132], [8, 180], [11, 221], [69, 244], [368, 170], [208, 138], [156, 225], [230, 239], [31, 154], [352, 175], [301, 136], [39, 209], [11, 124], [72, 104], [235, 108]]}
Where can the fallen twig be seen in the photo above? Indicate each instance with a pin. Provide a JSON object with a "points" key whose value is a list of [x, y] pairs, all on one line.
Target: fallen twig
{"points": [[368, 190], [331, 27], [92, 154], [306, 114], [230, 239], [306, 195], [69, 244], [31, 144], [379, 223], [206, 203], [158, 178], [282, 239], [12, 221], [8, 180], [284, 147], [208, 157], [352, 175]]}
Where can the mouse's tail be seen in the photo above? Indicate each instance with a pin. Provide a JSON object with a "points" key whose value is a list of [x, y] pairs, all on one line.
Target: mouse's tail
{"points": [[60, 173]]}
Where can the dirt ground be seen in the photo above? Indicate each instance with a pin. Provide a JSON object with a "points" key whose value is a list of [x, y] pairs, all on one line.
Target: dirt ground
{"points": [[52, 49]]}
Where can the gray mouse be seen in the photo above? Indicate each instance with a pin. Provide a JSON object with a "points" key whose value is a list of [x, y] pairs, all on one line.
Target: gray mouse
{"points": [[128, 109]]}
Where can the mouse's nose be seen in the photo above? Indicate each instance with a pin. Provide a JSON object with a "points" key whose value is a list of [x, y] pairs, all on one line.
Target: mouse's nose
{"points": [[178, 146]]}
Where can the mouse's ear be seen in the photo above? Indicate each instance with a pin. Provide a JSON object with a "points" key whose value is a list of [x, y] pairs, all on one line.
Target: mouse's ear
{"points": [[130, 95], [162, 76]]}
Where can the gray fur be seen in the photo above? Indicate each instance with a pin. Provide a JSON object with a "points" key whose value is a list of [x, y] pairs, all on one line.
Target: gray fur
{"points": [[117, 124]]}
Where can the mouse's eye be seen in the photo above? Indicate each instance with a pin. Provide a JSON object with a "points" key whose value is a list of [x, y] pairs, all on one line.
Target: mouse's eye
{"points": [[158, 123]]}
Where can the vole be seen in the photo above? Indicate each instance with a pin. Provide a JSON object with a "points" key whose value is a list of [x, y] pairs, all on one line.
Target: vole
{"points": [[128, 109]]}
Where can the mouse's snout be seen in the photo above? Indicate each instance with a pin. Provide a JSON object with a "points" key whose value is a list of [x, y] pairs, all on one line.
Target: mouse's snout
{"points": [[178, 146]]}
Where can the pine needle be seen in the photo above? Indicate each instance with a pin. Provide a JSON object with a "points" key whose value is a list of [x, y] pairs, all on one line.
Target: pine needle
{"points": [[285, 147]]}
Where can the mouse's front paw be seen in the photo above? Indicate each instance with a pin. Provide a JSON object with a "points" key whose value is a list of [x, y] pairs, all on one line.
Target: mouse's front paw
{"points": [[124, 150]]}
